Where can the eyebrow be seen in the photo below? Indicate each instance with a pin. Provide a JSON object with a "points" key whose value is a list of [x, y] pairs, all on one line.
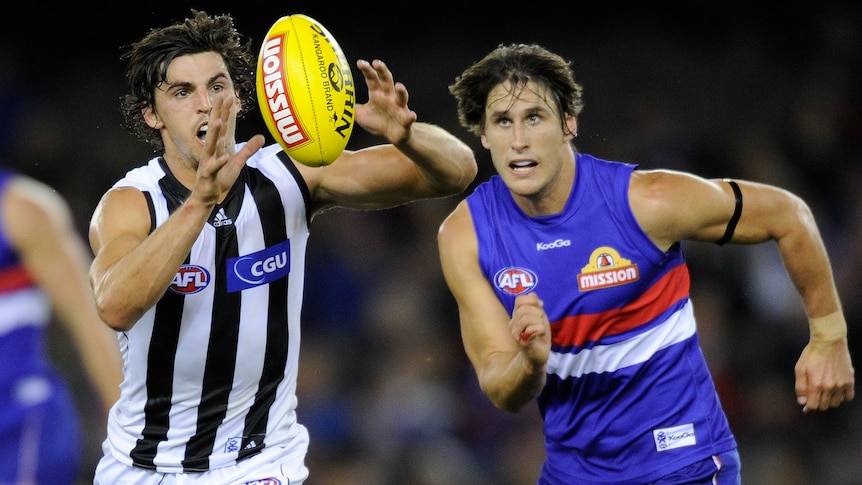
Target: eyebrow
{"points": [[188, 84]]}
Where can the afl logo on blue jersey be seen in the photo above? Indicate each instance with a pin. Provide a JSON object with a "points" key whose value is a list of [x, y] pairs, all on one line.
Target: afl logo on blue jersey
{"points": [[190, 279], [259, 268], [515, 280]]}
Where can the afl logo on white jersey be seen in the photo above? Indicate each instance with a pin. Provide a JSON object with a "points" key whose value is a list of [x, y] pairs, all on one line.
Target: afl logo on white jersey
{"points": [[515, 280], [190, 279]]}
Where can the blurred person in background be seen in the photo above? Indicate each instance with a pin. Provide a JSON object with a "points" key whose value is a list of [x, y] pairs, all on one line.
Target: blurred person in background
{"points": [[43, 279], [211, 351], [573, 289]]}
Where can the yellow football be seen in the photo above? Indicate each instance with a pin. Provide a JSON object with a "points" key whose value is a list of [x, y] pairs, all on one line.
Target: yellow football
{"points": [[305, 90]]}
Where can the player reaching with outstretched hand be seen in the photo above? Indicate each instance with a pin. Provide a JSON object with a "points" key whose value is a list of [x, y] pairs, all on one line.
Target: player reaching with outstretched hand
{"points": [[211, 345], [573, 290]]}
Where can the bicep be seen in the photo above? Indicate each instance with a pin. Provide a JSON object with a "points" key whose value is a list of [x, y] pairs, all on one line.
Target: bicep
{"points": [[119, 223], [675, 206]]}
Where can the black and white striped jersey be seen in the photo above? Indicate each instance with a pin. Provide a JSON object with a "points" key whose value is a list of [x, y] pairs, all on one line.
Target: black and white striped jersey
{"points": [[210, 370]]}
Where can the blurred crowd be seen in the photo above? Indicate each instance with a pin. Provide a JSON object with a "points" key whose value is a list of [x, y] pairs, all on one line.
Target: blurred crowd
{"points": [[385, 388]]}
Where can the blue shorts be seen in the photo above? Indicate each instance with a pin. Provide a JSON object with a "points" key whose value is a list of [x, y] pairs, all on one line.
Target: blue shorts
{"points": [[721, 469]]}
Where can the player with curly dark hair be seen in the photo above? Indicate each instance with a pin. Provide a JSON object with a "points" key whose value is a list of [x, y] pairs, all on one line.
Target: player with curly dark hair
{"points": [[200, 257]]}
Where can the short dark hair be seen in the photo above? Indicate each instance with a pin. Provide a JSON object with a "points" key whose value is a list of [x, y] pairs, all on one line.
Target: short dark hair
{"points": [[518, 64], [148, 60]]}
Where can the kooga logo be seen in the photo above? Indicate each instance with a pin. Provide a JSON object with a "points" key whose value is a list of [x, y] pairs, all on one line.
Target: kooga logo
{"points": [[559, 243]]}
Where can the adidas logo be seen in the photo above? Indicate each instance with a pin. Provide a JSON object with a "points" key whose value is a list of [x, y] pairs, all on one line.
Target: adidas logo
{"points": [[221, 219]]}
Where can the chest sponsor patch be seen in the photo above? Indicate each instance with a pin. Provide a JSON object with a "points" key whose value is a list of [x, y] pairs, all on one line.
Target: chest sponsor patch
{"points": [[606, 268], [259, 268]]}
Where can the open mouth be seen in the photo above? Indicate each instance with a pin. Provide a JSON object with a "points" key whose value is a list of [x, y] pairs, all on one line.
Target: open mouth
{"points": [[202, 133], [522, 165]]}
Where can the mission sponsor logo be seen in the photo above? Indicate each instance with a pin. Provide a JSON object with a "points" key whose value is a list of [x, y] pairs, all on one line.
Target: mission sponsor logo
{"points": [[190, 279], [605, 269], [515, 280], [259, 268]]}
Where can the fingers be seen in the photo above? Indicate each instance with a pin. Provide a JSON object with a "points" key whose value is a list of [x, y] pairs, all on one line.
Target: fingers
{"points": [[249, 149], [401, 92], [818, 398], [376, 73], [218, 133], [528, 318]]}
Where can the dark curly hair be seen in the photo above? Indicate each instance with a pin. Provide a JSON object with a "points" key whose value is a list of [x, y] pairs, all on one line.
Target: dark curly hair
{"points": [[518, 64], [148, 60]]}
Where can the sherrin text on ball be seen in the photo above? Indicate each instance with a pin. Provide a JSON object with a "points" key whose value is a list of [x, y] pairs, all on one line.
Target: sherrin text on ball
{"points": [[305, 90]]}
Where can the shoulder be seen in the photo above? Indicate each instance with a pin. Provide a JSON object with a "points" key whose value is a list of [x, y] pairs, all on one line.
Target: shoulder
{"points": [[144, 177], [30, 208], [457, 226], [267, 154]]}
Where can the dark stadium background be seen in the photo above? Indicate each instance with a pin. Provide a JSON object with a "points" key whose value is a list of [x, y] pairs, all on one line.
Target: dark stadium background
{"points": [[768, 93]]}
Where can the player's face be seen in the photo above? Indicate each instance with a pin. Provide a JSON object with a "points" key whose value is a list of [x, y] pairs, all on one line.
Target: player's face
{"points": [[183, 104], [526, 139]]}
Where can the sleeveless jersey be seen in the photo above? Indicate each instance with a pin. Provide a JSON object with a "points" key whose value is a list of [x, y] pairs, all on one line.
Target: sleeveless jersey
{"points": [[628, 397], [210, 370], [39, 427]]}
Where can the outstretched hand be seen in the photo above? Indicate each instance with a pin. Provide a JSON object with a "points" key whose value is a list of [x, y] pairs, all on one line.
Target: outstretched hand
{"points": [[220, 163], [386, 113]]}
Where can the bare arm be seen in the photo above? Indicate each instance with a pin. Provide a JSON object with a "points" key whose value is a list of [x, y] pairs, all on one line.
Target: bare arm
{"points": [[508, 354], [132, 268], [420, 161], [41, 227], [672, 206]]}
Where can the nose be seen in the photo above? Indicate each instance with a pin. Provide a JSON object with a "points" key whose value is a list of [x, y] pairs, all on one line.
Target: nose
{"points": [[205, 102], [519, 137]]}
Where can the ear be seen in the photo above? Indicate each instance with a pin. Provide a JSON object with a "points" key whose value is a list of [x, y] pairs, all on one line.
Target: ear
{"points": [[484, 140], [238, 99], [151, 117], [572, 127]]}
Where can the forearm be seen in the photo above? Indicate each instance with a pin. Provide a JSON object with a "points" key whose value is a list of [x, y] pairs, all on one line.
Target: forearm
{"points": [[511, 381], [447, 163], [807, 263], [808, 266]]}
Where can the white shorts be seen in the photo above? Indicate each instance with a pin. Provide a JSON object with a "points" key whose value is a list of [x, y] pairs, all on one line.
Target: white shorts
{"points": [[276, 465]]}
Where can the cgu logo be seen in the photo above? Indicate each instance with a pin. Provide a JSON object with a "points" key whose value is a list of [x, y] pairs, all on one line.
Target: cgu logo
{"points": [[190, 279], [515, 280], [259, 268]]}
